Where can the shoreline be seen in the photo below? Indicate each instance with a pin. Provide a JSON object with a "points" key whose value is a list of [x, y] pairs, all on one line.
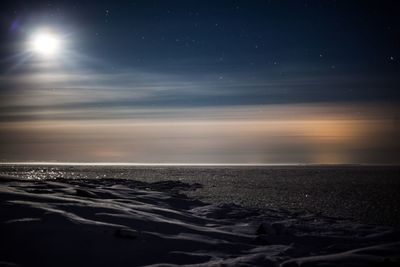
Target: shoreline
{"points": [[364, 194], [173, 164]]}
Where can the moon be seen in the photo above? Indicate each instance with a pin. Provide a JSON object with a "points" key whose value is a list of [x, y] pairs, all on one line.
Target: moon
{"points": [[45, 43]]}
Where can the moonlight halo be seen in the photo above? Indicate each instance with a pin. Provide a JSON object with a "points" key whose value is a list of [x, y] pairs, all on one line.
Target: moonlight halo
{"points": [[45, 43]]}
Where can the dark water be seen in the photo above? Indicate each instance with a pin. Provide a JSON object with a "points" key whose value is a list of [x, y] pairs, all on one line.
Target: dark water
{"points": [[367, 194]]}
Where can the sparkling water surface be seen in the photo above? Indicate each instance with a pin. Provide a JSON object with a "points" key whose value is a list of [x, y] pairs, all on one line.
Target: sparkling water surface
{"points": [[366, 194]]}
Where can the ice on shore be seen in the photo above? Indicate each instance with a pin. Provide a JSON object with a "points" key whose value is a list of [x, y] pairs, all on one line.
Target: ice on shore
{"points": [[117, 222]]}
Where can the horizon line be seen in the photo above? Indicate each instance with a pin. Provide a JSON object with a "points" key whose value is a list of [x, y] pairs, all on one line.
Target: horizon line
{"points": [[166, 164]]}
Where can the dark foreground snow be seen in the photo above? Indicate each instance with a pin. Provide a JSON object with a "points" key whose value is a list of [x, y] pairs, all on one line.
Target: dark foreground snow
{"points": [[117, 222]]}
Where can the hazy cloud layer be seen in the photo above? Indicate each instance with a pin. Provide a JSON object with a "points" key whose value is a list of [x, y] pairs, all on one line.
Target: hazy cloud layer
{"points": [[311, 133], [139, 116], [53, 90]]}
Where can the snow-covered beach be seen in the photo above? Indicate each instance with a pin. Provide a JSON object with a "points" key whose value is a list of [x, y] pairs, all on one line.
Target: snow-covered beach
{"points": [[124, 222]]}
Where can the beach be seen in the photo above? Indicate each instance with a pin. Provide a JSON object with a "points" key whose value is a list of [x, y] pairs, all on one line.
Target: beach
{"points": [[51, 220]]}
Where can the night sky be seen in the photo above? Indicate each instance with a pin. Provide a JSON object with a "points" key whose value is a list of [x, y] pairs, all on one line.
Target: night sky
{"points": [[201, 82]]}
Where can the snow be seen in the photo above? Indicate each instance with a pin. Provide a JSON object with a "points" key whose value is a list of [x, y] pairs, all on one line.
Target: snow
{"points": [[119, 222]]}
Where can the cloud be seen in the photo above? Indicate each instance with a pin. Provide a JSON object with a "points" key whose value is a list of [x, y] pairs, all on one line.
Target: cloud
{"points": [[306, 133], [133, 115], [61, 90]]}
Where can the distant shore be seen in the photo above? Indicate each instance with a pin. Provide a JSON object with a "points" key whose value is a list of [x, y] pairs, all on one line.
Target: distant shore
{"points": [[174, 164]]}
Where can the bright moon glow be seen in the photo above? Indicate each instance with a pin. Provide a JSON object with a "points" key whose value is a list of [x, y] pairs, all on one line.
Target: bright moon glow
{"points": [[45, 43]]}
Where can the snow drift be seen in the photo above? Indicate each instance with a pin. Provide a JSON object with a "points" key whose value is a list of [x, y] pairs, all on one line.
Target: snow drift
{"points": [[118, 222]]}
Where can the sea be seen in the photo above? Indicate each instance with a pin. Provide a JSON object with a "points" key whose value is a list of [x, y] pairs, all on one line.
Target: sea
{"points": [[361, 193]]}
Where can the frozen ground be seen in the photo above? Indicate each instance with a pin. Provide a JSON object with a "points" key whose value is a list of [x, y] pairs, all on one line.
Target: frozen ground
{"points": [[123, 222]]}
